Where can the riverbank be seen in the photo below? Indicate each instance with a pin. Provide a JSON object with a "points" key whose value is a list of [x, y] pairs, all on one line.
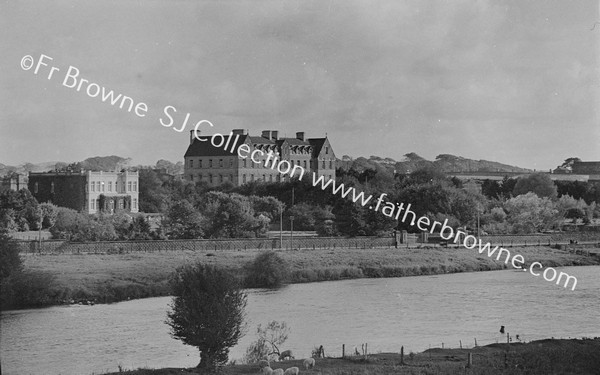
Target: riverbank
{"points": [[105, 278], [542, 357]]}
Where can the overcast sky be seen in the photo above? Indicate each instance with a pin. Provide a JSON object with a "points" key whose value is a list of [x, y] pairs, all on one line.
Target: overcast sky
{"points": [[509, 81]]}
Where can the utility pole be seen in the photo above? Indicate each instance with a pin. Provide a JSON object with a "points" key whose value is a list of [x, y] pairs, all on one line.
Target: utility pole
{"points": [[292, 224], [281, 226]]}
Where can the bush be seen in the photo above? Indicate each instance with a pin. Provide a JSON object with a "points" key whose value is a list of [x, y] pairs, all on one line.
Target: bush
{"points": [[267, 270], [29, 289], [208, 312]]}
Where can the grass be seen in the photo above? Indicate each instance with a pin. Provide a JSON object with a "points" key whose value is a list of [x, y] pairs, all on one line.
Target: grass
{"points": [[541, 357], [107, 278]]}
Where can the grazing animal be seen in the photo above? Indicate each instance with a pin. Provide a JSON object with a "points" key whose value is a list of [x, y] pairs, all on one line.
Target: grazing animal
{"points": [[286, 354], [291, 371], [267, 370], [263, 363], [309, 363], [278, 371]]}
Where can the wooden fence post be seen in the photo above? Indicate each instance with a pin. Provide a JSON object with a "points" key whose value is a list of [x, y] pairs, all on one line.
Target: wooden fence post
{"points": [[402, 355], [460, 343], [475, 341], [343, 350], [470, 360]]}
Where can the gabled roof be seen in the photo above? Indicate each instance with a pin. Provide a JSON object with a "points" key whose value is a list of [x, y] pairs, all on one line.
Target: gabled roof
{"points": [[317, 144], [261, 140], [205, 147], [295, 142]]}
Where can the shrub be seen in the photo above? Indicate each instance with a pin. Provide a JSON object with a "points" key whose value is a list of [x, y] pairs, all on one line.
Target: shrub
{"points": [[267, 270], [208, 312]]}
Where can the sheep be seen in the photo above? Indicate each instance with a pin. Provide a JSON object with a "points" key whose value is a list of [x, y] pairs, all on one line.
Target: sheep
{"points": [[286, 354], [263, 363], [278, 371], [267, 370], [309, 363], [291, 371]]}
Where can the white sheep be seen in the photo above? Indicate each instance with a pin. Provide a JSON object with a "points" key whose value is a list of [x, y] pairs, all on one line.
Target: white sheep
{"points": [[278, 371], [286, 354], [309, 363], [291, 371], [267, 370]]}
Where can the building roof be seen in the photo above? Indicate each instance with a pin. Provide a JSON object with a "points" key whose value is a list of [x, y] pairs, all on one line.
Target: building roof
{"points": [[317, 144], [206, 148]]}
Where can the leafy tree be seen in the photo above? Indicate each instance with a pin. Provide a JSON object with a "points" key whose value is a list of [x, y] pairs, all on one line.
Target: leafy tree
{"points": [[231, 215], [538, 183], [208, 312], [183, 221], [48, 214], [270, 338], [10, 260], [528, 213]]}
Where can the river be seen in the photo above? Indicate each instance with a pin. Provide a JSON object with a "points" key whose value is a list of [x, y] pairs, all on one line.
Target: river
{"points": [[417, 312]]}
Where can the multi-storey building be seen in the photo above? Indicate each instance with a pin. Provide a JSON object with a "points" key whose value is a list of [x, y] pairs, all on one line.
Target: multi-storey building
{"points": [[215, 165], [88, 191]]}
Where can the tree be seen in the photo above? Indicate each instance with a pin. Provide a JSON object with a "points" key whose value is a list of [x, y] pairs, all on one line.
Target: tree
{"points": [[10, 260], [538, 183], [528, 213], [208, 312], [184, 221], [270, 338], [267, 270]]}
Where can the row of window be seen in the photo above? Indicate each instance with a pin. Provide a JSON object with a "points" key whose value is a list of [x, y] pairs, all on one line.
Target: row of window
{"points": [[95, 204], [245, 163], [99, 186], [213, 179]]}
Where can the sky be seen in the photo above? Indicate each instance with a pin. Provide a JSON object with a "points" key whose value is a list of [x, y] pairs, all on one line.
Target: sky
{"points": [[516, 82]]}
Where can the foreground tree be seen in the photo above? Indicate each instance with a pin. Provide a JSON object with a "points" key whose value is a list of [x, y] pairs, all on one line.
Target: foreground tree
{"points": [[270, 339], [208, 312]]}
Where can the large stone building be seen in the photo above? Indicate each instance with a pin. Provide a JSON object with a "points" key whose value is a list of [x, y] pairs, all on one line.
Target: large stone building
{"points": [[204, 161], [90, 192]]}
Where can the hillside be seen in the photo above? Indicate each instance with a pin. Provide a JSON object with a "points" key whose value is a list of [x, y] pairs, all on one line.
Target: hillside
{"points": [[443, 162]]}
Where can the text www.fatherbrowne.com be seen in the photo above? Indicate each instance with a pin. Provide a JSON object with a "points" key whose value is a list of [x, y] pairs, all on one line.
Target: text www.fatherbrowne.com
{"points": [[398, 211]]}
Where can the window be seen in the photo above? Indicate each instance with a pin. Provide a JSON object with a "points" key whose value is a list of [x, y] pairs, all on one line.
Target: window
{"points": [[270, 178], [199, 163], [231, 178], [134, 203], [52, 187], [92, 204], [210, 163], [210, 178], [304, 164], [121, 204], [330, 164], [129, 186], [221, 178], [244, 163], [102, 185], [109, 185], [97, 205], [323, 164], [134, 185], [244, 176], [264, 177], [191, 163], [98, 185], [231, 163], [220, 163], [117, 186], [251, 177], [327, 150]]}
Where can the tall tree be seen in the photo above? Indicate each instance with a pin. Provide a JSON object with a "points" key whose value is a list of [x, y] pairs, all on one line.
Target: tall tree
{"points": [[208, 312], [538, 183]]}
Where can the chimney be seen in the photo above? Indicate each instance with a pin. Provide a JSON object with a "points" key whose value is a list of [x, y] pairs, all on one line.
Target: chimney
{"points": [[266, 134], [192, 135], [274, 134], [300, 136], [237, 131]]}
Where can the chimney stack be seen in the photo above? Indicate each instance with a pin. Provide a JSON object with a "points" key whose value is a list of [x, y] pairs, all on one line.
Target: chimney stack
{"points": [[300, 136], [274, 135], [192, 135], [266, 134]]}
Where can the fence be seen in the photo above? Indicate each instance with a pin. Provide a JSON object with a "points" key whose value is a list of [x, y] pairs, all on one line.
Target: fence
{"points": [[118, 247], [410, 241]]}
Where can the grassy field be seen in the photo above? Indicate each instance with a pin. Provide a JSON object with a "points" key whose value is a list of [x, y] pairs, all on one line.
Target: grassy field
{"points": [[114, 277], [542, 357]]}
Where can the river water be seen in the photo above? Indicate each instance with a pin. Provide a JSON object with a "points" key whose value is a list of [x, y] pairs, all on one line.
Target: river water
{"points": [[417, 312]]}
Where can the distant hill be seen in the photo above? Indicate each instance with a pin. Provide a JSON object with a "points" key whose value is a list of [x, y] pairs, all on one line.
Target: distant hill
{"points": [[96, 163], [444, 162]]}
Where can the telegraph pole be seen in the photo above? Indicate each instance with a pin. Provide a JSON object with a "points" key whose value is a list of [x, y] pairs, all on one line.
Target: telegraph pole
{"points": [[292, 224]]}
